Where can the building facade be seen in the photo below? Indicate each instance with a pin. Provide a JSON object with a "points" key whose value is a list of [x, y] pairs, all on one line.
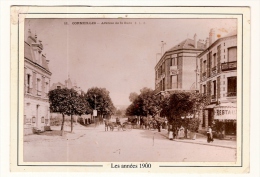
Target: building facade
{"points": [[177, 68], [37, 78], [218, 80]]}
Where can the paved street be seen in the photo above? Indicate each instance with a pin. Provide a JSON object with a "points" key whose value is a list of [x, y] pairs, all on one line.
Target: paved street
{"points": [[91, 143]]}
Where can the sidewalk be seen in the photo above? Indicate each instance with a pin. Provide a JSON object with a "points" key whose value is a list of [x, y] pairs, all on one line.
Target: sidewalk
{"points": [[202, 139], [55, 134]]}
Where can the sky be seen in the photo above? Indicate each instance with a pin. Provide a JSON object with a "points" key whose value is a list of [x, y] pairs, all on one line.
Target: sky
{"points": [[116, 54]]}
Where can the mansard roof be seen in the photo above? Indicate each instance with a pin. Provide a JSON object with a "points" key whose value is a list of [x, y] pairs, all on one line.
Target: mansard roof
{"points": [[188, 44]]}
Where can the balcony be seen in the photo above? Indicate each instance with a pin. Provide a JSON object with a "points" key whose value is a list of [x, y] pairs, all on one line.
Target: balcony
{"points": [[39, 93], [204, 76], [229, 66], [213, 71], [231, 94], [213, 98]]}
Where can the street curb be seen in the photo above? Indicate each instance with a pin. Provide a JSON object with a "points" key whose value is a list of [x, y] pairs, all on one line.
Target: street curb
{"points": [[192, 142]]}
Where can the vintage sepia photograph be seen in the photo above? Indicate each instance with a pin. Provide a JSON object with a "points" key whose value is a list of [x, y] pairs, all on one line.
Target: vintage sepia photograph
{"points": [[131, 92]]}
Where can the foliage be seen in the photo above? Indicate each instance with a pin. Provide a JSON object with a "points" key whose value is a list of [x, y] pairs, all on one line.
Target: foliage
{"points": [[59, 101], [193, 125], [180, 104], [67, 102], [147, 103], [99, 99], [133, 96], [218, 126]]}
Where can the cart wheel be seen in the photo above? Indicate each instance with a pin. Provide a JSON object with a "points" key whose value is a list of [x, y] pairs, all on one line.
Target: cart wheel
{"points": [[123, 127]]}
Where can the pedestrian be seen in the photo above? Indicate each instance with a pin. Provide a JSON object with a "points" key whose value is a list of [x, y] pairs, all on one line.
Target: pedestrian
{"points": [[210, 135]]}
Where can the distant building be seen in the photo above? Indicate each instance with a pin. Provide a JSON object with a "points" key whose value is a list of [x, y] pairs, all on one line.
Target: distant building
{"points": [[176, 70], [37, 78], [67, 84], [218, 79]]}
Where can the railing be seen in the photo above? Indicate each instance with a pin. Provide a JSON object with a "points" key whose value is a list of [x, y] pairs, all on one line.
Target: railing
{"points": [[214, 68], [204, 76], [229, 66], [39, 93], [213, 71], [231, 94], [213, 98]]}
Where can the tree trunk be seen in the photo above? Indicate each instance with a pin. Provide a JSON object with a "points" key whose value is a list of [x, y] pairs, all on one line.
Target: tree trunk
{"points": [[71, 126], [62, 125], [185, 132]]}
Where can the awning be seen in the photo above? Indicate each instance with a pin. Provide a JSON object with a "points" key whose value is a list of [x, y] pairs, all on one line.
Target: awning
{"points": [[211, 106], [229, 104], [225, 111]]}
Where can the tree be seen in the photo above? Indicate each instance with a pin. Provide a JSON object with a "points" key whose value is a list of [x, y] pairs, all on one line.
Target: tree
{"points": [[133, 96], [99, 99], [67, 102], [182, 104], [79, 106], [60, 103], [147, 103]]}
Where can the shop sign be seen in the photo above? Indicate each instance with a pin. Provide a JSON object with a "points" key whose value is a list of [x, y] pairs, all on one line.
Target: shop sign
{"points": [[225, 113], [94, 112], [174, 71]]}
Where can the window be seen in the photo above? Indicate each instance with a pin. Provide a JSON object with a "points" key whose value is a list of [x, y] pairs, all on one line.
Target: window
{"points": [[232, 86], [214, 89], [163, 67], [28, 83], [174, 62], [174, 82], [33, 119], [47, 87], [38, 86], [204, 89], [42, 120], [232, 54], [204, 66], [214, 63]]}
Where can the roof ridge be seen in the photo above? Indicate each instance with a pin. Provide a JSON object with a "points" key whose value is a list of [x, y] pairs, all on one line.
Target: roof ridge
{"points": [[185, 42]]}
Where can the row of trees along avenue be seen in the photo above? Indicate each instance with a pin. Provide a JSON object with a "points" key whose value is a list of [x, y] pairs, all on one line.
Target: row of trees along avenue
{"points": [[179, 107], [69, 102]]}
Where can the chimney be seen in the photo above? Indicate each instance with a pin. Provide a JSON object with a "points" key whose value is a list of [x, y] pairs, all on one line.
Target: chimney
{"points": [[195, 40], [211, 36], [29, 32], [207, 42], [35, 37]]}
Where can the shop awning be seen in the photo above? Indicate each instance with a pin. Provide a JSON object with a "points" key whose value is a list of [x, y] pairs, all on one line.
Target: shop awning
{"points": [[231, 105], [211, 106], [225, 111]]}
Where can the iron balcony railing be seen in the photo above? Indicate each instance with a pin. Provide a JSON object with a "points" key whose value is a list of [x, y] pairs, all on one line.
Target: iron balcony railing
{"points": [[231, 94], [229, 66], [39, 93]]}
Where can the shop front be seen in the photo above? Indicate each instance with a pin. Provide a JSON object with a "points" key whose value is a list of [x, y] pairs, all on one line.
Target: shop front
{"points": [[225, 117]]}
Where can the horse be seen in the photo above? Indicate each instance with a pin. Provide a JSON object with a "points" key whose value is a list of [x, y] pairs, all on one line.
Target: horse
{"points": [[109, 124]]}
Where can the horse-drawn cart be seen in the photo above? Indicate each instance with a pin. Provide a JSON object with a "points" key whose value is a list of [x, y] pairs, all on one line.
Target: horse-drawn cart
{"points": [[126, 126]]}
